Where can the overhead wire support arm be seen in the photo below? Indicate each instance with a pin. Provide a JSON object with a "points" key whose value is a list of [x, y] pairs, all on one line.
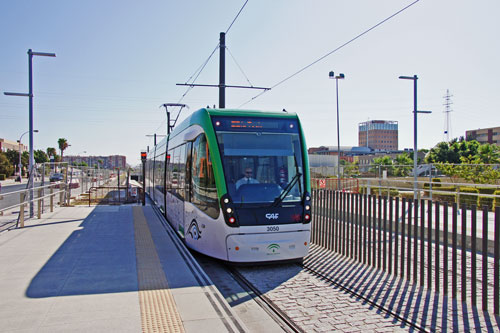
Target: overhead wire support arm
{"points": [[166, 105], [217, 86]]}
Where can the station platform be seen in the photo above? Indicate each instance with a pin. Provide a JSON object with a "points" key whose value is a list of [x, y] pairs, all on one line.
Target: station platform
{"points": [[105, 269]]}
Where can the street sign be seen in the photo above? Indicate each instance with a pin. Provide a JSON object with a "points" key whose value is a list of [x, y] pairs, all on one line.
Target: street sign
{"points": [[322, 183]]}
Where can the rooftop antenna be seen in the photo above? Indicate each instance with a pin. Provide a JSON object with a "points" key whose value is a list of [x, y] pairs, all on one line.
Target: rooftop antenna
{"points": [[447, 124], [169, 124]]}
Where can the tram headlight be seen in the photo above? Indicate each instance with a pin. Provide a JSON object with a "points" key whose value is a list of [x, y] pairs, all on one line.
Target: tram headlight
{"points": [[307, 208], [228, 210]]}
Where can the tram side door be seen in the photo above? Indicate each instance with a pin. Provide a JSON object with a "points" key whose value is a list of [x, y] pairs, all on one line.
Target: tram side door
{"points": [[189, 208]]}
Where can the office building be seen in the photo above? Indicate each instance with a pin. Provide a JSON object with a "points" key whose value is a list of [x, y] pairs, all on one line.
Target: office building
{"points": [[378, 135]]}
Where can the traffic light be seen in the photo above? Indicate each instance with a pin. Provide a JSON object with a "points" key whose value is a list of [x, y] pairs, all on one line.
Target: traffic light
{"points": [[144, 155]]}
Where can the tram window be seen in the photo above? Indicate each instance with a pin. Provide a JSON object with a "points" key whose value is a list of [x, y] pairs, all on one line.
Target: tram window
{"points": [[274, 160], [159, 166], [187, 173], [181, 171], [204, 190], [170, 167]]}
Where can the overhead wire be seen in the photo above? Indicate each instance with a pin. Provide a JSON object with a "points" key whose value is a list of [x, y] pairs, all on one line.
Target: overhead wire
{"points": [[331, 52], [241, 9], [241, 69], [200, 69]]}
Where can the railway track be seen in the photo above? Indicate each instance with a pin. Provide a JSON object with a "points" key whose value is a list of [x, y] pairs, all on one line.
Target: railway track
{"points": [[274, 310]]}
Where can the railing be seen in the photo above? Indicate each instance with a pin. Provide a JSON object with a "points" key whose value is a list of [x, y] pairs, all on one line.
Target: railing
{"points": [[112, 195], [422, 241], [349, 184], [38, 198]]}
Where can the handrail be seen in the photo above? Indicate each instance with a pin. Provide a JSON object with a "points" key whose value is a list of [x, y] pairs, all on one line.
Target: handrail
{"points": [[29, 201], [104, 187]]}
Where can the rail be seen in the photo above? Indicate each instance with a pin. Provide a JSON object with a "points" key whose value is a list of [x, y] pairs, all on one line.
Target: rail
{"points": [[112, 195], [39, 199]]}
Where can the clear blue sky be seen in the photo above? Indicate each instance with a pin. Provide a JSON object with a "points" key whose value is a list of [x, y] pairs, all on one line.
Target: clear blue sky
{"points": [[117, 61]]}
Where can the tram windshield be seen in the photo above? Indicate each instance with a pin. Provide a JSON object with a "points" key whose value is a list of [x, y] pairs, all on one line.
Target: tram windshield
{"points": [[262, 159]]}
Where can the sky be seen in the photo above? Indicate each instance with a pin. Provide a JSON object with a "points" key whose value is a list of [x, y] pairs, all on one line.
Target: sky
{"points": [[118, 61]]}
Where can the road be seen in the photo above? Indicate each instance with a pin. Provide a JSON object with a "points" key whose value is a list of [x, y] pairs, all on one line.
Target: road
{"points": [[10, 200]]}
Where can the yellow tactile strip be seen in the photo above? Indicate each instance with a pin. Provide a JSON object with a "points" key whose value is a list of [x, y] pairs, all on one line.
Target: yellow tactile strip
{"points": [[158, 310]]}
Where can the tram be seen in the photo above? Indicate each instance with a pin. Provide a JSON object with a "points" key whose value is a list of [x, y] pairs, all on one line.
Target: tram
{"points": [[235, 184]]}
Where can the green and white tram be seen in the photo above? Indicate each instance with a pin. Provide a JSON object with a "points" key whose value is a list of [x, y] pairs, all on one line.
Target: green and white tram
{"points": [[235, 184]]}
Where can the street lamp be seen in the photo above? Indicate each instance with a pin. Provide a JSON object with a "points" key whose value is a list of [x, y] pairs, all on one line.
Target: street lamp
{"points": [[30, 95], [20, 164], [340, 76], [415, 111]]}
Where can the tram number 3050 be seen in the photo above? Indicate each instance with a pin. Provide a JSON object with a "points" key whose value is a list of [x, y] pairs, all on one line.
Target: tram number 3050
{"points": [[273, 228]]}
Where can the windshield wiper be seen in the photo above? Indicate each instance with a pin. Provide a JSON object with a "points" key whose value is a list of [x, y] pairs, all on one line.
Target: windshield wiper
{"points": [[287, 190]]}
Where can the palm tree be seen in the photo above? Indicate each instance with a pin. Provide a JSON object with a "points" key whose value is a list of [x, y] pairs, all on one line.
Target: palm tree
{"points": [[63, 144]]}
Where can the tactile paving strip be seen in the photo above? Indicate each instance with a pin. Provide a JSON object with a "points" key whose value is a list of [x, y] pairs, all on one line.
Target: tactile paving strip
{"points": [[158, 310]]}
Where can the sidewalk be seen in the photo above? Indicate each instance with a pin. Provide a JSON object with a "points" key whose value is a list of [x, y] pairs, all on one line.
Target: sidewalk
{"points": [[12, 181], [102, 269]]}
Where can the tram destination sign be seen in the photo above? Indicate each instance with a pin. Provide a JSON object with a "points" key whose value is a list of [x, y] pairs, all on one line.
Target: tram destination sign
{"points": [[255, 124]]}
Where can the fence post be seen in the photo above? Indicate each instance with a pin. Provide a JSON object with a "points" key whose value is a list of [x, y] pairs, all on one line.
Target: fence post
{"points": [[61, 194], [51, 199], [496, 263], [430, 183], [21, 208], [39, 213]]}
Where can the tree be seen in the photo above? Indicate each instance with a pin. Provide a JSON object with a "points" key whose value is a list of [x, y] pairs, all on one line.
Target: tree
{"points": [[63, 144], [443, 153], [382, 163], [453, 151], [351, 169], [6, 167], [12, 156], [403, 165], [489, 154], [51, 152], [40, 156]]}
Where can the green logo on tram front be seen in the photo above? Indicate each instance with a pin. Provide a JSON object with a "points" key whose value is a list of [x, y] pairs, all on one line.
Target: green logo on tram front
{"points": [[273, 248]]}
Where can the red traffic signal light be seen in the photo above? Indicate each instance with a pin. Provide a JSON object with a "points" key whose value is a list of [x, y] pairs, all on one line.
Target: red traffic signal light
{"points": [[143, 155]]}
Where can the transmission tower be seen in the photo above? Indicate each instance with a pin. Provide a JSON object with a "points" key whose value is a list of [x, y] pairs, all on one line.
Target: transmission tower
{"points": [[447, 124]]}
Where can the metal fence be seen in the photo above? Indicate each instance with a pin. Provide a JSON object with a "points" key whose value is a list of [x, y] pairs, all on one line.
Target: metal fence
{"points": [[451, 249], [71, 184], [113, 195]]}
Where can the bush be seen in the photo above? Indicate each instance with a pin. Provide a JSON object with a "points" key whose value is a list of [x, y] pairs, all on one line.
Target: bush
{"points": [[446, 190], [374, 191], [383, 191], [486, 190], [496, 201], [450, 198], [434, 181], [468, 199], [485, 201], [2, 176]]}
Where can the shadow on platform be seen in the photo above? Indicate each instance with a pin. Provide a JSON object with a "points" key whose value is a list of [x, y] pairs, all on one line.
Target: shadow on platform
{"points": [[98, 258]]}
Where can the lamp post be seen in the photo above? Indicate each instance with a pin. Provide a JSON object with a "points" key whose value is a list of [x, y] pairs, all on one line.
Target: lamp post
{"points": [[30, 95], [340, 76], [415, 111], [20, 145]]}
